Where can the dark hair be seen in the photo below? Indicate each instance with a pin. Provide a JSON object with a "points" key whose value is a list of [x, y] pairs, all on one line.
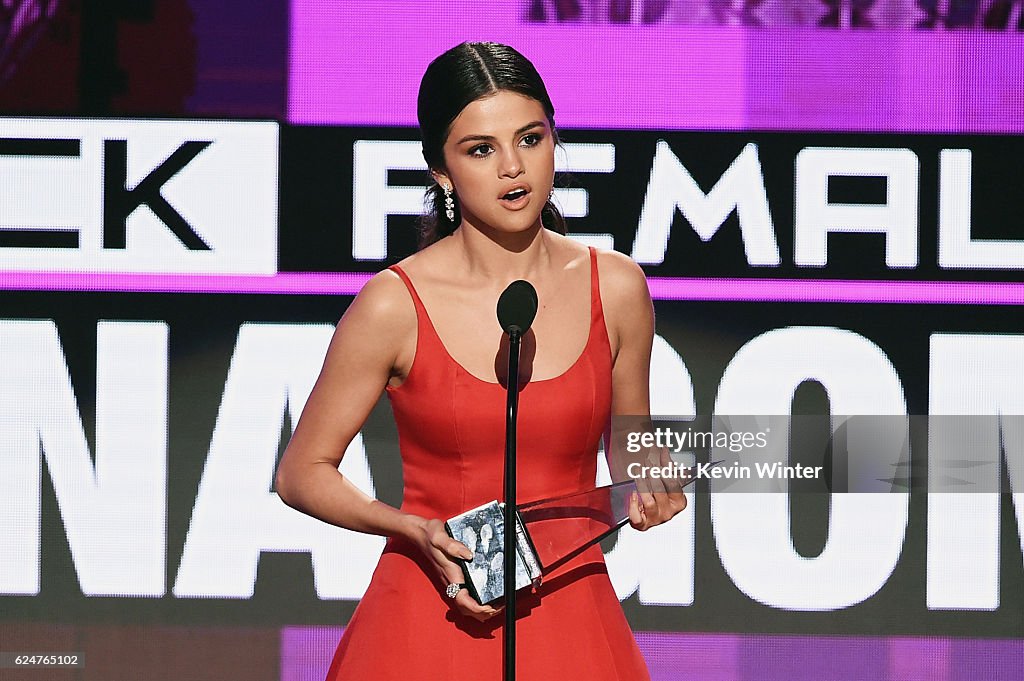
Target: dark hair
{"points": [[458, 77]]}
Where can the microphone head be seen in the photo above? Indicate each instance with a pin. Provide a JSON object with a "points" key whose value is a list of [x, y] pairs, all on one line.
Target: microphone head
{"points": [[517, 306]]}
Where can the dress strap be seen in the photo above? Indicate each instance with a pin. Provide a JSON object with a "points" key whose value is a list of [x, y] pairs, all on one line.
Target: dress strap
{"points": [[598, 327], [428, 343], [423, 322], [408, 284], [596, 311]]}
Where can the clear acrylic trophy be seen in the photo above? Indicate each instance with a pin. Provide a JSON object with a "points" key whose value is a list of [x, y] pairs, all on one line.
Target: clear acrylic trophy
{"points": [[550, 532]]}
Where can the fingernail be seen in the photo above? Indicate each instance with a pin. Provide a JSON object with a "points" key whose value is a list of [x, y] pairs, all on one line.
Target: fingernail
{"points": [[466, 553]]}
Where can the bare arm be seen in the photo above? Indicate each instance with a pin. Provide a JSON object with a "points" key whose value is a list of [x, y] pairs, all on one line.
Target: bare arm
{"points": [[366, 349], [630, 315], [359, 362]]}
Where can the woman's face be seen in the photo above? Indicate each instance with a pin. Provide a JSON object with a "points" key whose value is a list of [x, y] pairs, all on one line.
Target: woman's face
{"points": [[499, 144]]}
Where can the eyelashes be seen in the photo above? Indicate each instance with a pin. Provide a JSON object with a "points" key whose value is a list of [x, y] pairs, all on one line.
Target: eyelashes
{"points": [[483, 150]]}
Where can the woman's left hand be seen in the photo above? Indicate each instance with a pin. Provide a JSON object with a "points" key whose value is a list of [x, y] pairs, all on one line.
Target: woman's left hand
{"points": [[656, 499]]}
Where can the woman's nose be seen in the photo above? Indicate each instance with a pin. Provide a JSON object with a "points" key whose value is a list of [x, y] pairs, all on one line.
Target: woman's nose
{"points": [[511, 164]]}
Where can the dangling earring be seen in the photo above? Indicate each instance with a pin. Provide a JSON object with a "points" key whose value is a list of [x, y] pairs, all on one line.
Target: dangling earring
{"points": [[449, 203]]}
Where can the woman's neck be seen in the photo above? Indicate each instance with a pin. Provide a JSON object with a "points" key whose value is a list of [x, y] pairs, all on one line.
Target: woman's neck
{"points": [[502, 257]]}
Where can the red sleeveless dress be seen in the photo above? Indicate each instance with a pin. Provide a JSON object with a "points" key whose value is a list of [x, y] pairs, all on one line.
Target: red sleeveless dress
{"points": [[451, 429]]}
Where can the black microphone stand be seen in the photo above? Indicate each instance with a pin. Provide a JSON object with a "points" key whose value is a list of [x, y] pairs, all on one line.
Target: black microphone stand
{"points": [[511, 550]]}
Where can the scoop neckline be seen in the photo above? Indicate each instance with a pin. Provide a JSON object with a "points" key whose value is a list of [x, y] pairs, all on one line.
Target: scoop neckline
{"points": [[463, 369]]}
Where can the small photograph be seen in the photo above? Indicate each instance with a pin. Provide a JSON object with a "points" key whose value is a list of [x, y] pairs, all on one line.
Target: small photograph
{"points": [[988, 15], [482, 531]]}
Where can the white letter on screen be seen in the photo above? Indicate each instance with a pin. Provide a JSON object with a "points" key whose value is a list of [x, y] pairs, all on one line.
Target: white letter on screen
{"points": [[574, 202], [957, 250], [975, 406], [114, 512], [866, 531], [373, 199], [741, 188], [816, 217], [236, 516]]}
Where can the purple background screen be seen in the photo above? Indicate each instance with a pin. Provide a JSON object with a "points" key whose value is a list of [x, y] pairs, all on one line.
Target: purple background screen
{"points": [[883, 70], [754, 657]]}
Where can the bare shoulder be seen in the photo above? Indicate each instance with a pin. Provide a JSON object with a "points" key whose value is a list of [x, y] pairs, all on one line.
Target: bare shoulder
{"points": [[383, 309], [385, 297], [629, 313], [374, 337], [623, 282]]}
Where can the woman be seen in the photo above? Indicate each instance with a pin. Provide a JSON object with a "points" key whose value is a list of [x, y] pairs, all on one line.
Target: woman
{"points": [[425, 332]]}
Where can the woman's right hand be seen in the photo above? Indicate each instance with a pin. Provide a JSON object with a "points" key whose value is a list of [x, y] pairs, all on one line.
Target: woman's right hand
{"points": [[430, 537]]}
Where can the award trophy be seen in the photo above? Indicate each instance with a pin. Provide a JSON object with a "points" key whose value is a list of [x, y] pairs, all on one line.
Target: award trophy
{"points": [[548, 533]]}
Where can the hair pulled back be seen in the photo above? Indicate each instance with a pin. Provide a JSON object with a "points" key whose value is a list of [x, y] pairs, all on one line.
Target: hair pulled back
{"points": [[453, 80]]}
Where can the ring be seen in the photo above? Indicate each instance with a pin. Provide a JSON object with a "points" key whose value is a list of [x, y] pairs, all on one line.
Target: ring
{"points": [[452, 590]]}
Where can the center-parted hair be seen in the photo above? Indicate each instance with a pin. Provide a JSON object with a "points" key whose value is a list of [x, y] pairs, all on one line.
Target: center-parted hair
{"points": [[453, 80]]}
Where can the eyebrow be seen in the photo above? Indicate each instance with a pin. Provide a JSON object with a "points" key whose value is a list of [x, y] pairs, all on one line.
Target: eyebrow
{"points": [[491, 138]]}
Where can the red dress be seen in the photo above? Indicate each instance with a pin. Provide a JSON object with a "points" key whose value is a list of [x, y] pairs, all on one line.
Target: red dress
{"points": [[451, 429]]}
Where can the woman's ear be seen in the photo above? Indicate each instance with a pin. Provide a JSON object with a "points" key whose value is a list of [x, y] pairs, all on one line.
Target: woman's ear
{"points": [[441, 178]]}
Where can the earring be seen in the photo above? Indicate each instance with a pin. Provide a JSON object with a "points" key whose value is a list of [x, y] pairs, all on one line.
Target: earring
{"points": [[449, 203]]}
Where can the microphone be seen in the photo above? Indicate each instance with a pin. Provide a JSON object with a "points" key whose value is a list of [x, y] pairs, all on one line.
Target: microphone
{"points": [[517, 307]]}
